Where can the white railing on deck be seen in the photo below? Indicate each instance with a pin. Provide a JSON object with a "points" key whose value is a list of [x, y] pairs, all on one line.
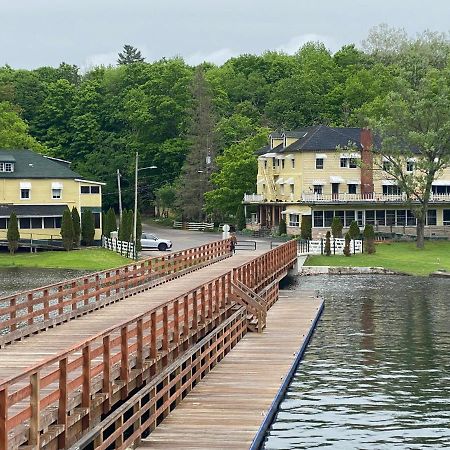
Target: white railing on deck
{"points": [[193, 226], [252, 198], [331, 198], [317, 246], [124, 248]]}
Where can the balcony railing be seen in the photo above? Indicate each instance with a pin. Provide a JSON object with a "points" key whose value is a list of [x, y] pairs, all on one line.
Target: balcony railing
{"points": [[375, 197], [253, 198]]}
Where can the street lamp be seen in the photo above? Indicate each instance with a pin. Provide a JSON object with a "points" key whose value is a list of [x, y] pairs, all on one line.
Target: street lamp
{"points": [[137, 169]]}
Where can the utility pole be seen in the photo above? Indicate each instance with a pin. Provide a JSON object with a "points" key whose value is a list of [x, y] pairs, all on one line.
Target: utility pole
{"points": [[135, 205], [120, 195]]}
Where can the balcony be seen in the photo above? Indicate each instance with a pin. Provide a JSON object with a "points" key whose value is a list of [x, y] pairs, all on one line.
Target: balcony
{"points": [[375, 197], [253, 198]]}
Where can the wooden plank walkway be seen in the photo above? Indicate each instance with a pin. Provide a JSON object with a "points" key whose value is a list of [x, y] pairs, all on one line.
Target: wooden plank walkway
{"points": [[22, 354], [226, 409]]}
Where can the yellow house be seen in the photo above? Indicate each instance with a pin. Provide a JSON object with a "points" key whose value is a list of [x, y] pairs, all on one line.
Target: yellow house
{"points": [[303, 173], [38, 188]]}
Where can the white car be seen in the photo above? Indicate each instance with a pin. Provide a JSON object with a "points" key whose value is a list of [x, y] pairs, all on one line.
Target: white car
{"points": [[150, 241]]}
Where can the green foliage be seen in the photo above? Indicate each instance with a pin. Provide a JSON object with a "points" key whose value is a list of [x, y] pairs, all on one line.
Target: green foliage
{"points": [[369, 239], [110, 222], [67, 232], [240, 218], [166, 197], [87, 227], [76, 227], [354, 230], [13, 235], [129, 55], [138, 232], [347, 251], [327, 249], [126, 226], [336, 227], [306, 227], [282, 230]]}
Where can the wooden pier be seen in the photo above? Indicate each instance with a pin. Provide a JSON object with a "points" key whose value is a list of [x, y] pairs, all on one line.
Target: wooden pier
{"points": [[105, 358]]}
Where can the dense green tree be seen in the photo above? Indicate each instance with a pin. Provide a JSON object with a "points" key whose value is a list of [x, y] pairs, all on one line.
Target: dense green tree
{"points": [[327, 248], [282, 227], [129, 55], [240, 218], [354, 230], [13, 235], [336, 227], [126, 226], [87, 227], [76, 227], [166, 198], [110, 222], [369, 239], [67, 233], [347, 251], [306, 227]]}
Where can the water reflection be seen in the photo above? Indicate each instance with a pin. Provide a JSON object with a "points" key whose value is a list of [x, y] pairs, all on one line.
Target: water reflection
{"points": [[377, 372]]}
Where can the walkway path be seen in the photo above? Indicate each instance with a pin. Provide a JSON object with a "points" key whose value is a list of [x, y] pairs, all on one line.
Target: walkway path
{"points": [[226, 409]]}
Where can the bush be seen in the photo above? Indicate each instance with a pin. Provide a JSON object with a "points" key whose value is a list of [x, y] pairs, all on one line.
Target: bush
{"points": [[306, 227], [240, 218], [347, 251], [13, 234], [67, 232], [369, 239], [87, 227], [282, 228], [336, 227], [327, 249], [354, 230], [110, 223], [76, 227]]}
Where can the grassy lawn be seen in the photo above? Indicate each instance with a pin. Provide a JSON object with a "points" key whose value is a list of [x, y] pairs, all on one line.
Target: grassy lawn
{"points": [[398, 256], [87, 259]]}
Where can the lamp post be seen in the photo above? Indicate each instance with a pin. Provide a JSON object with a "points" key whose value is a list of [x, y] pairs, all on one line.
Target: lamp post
{"points": [[137, 169]]}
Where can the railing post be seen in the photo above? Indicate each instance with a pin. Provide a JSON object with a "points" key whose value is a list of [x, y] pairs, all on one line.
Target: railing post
{"points": [[30, 308], [12, 314], [165, 336], [4, 417], [60, 300], [62, 404], [86, 387], [124, 360], [106, 384], [202, 305], [185, 320], [194, 311], [34, 431]]}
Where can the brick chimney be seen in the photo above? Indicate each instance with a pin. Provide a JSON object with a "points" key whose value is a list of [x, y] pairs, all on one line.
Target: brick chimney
{"points": [[366, 162]]}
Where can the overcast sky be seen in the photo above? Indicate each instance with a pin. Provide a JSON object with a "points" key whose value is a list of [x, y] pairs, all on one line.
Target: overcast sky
{"points": [[36, 33]]}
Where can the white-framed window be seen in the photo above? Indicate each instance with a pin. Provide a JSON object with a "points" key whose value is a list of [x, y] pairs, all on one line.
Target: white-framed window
{"points": [[391, 190], [319, 163], [352, 188], [294, 220], [90, 189], [410, 166], [292, 188], [350, 163], [318, 189], [6, 167], [387, 166], [56, 193], [25, 194]]}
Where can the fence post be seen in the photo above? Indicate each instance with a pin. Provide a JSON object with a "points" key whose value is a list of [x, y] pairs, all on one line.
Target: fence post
{"points": [[34, 432], [321, 246], [334, 245], [4, 417]]}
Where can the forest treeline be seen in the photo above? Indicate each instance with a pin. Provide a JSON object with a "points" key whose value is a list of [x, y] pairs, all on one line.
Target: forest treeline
{"points": [[100, 118]]}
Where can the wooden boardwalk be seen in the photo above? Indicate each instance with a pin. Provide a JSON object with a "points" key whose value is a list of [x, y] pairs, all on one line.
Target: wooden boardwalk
{"points": [[226, 409]]}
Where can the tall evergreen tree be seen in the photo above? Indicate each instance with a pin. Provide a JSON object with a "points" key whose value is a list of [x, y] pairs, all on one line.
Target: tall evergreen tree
{"points": [[199, 164], [138, 232], [67, 229], [110, 222], [87, 227], [13, 234], [76, 227], [129, 55], [126, 226]]}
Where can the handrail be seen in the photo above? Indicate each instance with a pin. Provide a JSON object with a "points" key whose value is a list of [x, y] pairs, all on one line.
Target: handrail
{"points": [[58, 301]]}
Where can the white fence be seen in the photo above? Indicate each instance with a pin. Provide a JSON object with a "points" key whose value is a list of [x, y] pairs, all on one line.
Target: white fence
{"points": [[193, 226], [317, 246], [122, 247]]}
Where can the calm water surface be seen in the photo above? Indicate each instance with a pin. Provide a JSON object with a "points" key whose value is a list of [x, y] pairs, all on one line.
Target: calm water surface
{"points": [[376, 374]]}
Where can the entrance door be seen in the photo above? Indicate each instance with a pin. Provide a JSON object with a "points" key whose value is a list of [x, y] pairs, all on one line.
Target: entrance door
{"points": [[446, 216], [335, 191]]}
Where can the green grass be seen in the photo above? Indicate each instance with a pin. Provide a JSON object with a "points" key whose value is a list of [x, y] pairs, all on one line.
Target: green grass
{"points": [[87, 259], [399, 256]]}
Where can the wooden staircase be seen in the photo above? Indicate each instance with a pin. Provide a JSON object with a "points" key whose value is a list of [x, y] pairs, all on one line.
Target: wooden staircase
{"points": [[256, 306]]}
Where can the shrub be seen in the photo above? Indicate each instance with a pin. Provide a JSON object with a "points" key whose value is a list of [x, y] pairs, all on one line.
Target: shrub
{"points": [[110, 223], [138, 232], [240, 218], [354, 230], [13, 234], [67, 233], [327, 249], [347, 251], [369, 239], [76, 227], [87, 227], [282, 228], [306, 227], [126, 226], [336, 227]]}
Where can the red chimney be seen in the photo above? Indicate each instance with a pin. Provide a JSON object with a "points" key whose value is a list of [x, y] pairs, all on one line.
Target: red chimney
{"points": [[366, 162]]}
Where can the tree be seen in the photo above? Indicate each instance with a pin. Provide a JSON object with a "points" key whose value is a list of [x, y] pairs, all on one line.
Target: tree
{"points": [[282, 230], [240, 218], [87, 227], [166, 198], [67, 233], [354, 230], [110, 222], [327, 249], [138, 232], [200, 161], [126, 226], [346, 250], [413, 125], [13, 235], [76, 227], [129, 55], [306, 227], [336, 227], [369, 239]]}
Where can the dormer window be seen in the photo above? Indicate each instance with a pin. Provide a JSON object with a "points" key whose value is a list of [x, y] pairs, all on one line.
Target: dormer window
{"points": [[6, 167]]}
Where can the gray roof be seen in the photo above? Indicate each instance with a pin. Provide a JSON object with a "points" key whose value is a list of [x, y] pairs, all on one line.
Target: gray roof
{"points": [[32, 210], [29, 164]]}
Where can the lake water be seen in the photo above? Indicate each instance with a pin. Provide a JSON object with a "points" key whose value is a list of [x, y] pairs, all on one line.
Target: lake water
{"points": [[376, 374]]}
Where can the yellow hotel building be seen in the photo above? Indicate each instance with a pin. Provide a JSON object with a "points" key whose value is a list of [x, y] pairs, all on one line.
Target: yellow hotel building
{"points": [[38, 189], [309, 172]]}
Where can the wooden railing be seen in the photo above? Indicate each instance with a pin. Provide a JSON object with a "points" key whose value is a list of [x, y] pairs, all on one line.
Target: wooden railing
{"points": [[46, 400], [30, 311]]}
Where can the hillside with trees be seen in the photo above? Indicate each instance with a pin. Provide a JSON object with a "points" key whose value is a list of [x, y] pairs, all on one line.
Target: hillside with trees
{"points": [[176, 115]]}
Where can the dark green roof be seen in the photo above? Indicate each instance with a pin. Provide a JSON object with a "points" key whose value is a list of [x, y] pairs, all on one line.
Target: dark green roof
{"points": [[28, 164]]}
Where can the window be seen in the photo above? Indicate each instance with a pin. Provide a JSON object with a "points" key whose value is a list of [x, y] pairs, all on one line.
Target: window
{"points": [[391, 190], [341, 215], [56, 193], [441, 190], [380, 216], [319, 163], [58, 222], [294, 220], [401, 217], [282, 163], [352, 163], [349, 217], [24, 222], [387, 166], [3, 223], [343, 162], [36, 222], [85, 190], [25, 194], [360, 218], [352, 188], [390, 217], [349, 162], [318, 189], [370, 217], [318, 219], [49, 222], [328, 218], [6, 167], [431, 217], [292, 188], [91, 189], [410, 218], [409, 166], [96, 220], [293, 163]]}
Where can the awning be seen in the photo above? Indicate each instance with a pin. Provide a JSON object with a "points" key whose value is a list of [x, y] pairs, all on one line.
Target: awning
{"points": [[280, 181], [441, 183], [321, 156], [350, 155], [57, 185], [260, 181], [353, 182], [32, 210], [280, 157], [25, 185], [318, 182], [269, 155], [289, 181], [388, 182], [336, 180]]}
